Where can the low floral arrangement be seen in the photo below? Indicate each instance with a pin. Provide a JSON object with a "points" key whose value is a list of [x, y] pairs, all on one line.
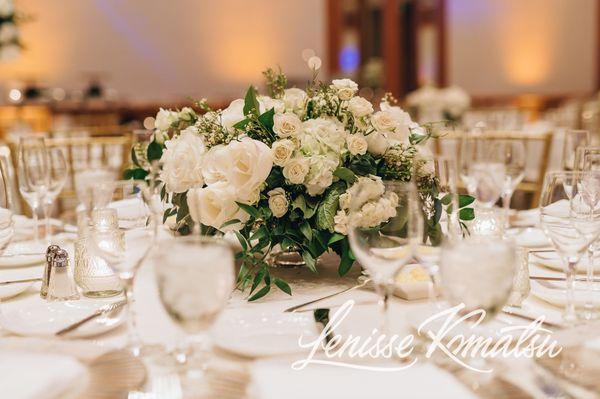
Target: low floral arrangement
{"points": [[279, 170], [10, 44], [431, 103]]}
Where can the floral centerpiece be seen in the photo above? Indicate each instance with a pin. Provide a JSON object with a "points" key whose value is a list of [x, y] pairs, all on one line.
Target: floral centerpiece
{"points": [[432, 104], [279, 170], [10, 44]]}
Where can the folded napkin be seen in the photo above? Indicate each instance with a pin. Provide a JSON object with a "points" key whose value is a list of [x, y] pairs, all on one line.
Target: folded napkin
{"points": [[26, 375], [5, 217], [276, 380]]}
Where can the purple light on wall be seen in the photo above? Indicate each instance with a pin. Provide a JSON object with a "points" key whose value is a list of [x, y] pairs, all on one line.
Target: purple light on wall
{"points": [[349, 58]]}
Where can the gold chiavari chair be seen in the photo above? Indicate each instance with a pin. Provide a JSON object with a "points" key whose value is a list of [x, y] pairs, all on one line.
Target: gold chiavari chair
{"points": [[10, 184], [537, 147]]}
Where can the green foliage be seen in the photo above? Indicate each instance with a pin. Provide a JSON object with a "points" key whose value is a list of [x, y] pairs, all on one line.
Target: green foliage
{"points": [[251, 105], [329, 206]]}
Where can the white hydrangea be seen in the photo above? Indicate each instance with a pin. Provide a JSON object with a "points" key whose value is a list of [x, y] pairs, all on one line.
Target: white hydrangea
{"points": [[320, 175], [323, 136]]}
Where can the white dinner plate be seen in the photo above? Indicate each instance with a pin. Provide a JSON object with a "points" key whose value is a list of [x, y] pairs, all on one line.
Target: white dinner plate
{"points": [[530, 237], [11, 290], [11, 256], [552, 260], [554, 292], [255, 334], [34, 316]]}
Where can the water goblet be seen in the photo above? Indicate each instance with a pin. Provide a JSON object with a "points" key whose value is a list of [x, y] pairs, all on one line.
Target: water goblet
{"points": [[573, 140], [57, 168], [511, 153]]}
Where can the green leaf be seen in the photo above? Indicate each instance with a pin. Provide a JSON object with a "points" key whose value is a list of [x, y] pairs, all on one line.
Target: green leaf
{"points": [[136, 174], [282, 285], [446, 199], [346, 258], [299, 203], [241, 124], [345, 174], [306, 230], [266, 119], [466, 214], [335, 238], [262, 292], [229, 223], [257, 279], [363, 165], [250, 210], [465, 200], [251, 105], [242, 240], [310, 261], [260, 233], [329, 206], [154, 151], [134, 158]]}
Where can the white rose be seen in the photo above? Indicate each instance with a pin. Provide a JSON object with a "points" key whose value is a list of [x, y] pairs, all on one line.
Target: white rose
{"points": [[383, 121], [164, 119], [215, 205], [296, 169], [360, 107], [8, 32], [278, 203], [6, 8], [357, 144], [345, 88], [187, 114], [182, 161], [320, 176], [265, 103], [377, 143], [286, 125], [233, 114], [282, 151], [416, 130], [402, 122], [243, 164], [294, 99]]}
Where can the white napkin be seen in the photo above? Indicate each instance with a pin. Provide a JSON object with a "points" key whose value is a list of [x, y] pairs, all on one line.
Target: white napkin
{"points": [[276, 380], [530, 237], [5, 217], [130, 212], [25, 375]]}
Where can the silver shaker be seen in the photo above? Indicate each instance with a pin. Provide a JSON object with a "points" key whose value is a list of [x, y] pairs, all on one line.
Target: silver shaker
{"points": [[50, 253], [61, 285]]}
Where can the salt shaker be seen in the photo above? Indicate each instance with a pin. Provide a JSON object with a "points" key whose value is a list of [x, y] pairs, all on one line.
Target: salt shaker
{"points": [[50, 253], [61, 286]]}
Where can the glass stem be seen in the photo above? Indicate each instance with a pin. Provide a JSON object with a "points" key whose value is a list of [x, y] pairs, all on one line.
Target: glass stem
{"points": [[133, 340], [46, 208], [383, 289], [570, 315], [36, 231], [589, 302], [506, 206]]}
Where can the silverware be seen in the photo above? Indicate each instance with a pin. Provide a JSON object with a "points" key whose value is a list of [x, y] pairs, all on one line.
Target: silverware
{"points": [[103, 310], [543, 278], [23, 254], [520, 315], [26, 280], [359, 285]]}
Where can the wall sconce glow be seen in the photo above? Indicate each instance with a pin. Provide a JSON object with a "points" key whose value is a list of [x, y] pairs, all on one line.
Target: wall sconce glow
{"points": [[349, 58], [15, 95]]}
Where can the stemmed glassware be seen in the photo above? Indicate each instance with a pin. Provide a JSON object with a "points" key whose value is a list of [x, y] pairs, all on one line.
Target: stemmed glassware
{"points": [[195, 278], [57, 168], [512, 154], [124, 250], [34, 176], [574, 139], [483, 175], [384, 230], [559, 220]]}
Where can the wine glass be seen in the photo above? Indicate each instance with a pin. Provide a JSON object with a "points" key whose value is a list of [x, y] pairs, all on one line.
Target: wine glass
{"points": [[512, 154], [124, 250], [195, 278], [385, 224], [58, 177], [573, 140], [34, 176], [558, 224], [446, 174]]}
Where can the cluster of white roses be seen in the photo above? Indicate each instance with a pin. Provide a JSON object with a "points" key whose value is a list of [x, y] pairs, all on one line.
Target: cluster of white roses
{"points": [[367, 195]]}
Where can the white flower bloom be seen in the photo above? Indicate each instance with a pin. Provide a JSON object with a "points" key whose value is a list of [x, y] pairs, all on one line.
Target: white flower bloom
{"points": [[402, 122], [383, 121], [357, 144], [265, 103], [160, 137], [8, 32], [243, 164], [323, 136], [365, 189], [282, 151], [455, 100], [377, 143], [360, 107], [345, 200], [187, 114], [296, 169], [215, 205], [417, 130], [278, 203], [294, 99], [320, 176], [340, 221], [287, 125], [233, 114], [6, 8], [182, 161], [345, 88], [164, 119]]}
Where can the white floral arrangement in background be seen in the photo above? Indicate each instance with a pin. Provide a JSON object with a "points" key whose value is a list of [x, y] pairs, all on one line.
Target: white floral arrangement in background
{"points": [[280, 170], [433, 104], [10, 43]]}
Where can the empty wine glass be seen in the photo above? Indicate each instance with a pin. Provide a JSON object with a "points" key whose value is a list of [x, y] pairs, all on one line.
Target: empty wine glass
{"points": [[124, 250], [34, 176], [559, 226], [385, 225], [446, 174], [512, 154], [482, 174], [195, 278], [58, 177], [573, 140]]}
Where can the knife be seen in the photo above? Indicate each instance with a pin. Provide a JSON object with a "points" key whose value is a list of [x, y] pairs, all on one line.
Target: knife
{"points": [[103, 310]]}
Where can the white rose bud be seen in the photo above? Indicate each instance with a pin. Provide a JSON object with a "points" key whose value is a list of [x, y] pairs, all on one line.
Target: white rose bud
{"points": [[286, 125], [383, 121], [294, 98], [282, 151], [164, 119], [187, 114], [296, 170], [360, 107], [377, 143], [345, 88], [357, 144], [278, 203]]}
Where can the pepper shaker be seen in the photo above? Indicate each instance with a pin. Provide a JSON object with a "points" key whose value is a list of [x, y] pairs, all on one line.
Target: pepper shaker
{"points": [[61, 286], [50, 253]]}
